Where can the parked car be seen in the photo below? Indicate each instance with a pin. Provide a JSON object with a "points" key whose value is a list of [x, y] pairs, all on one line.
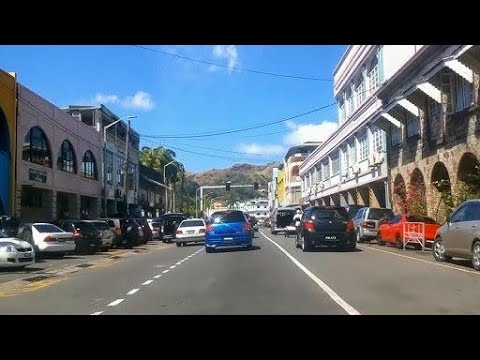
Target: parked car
{"points": [[125, 230], [281, 218], [190, 230], [15, 252], [367, 221], [146, 230], [170, 223], [9, 225], [155, 226], [87, 238], [391, 231], [106, 233], [47, 238], [326, 226], [460, 235], [253, 222], [228, 229]]}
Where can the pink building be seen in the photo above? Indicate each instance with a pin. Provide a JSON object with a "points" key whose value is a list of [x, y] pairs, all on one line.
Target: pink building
{"points": [[58, 172]]}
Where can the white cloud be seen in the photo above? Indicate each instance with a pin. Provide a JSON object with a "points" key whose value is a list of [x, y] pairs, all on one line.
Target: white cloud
{"points": [[226, 52], [262, 149], [141, 100], [308, 132]]}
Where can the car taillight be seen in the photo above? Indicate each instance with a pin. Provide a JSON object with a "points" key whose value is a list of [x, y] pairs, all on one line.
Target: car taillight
{"points": [[368, 224], [76, 235], [179, 232], [350, 226], [209, 228], [202, 231], [247, 227], [50, 239], [309, 225]]}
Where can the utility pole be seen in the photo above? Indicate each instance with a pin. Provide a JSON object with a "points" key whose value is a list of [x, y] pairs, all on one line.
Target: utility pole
{"points": [[127, 166]]}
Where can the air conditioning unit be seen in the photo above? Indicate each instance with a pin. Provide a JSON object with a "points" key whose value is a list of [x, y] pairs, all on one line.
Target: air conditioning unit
{"points": [[375, 159], [355, 169]]}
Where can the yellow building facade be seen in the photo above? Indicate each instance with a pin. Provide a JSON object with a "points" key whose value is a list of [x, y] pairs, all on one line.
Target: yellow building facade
{"points": [[281, 188]]}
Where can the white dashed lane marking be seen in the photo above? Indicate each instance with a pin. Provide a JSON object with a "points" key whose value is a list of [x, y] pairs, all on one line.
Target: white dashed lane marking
{"points": [[165, 271], [173, 267], [116, 302], [97, 313], [157, 276], [148, 282], [133, 291]]}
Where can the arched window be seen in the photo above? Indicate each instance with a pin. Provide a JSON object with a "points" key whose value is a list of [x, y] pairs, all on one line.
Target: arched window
{"points": [[89, 166], [36, 148], [67, 161]]}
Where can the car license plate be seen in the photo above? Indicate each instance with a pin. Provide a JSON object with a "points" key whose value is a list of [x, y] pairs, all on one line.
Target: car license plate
{"points": [[190, 231], [228, 238], [27, 255], [60, 240], [331, 237]]}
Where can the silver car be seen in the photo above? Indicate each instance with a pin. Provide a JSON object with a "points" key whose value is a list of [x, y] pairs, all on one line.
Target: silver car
{"points": [[460, 235], [15, 252], [108, 236], [366, 222]]}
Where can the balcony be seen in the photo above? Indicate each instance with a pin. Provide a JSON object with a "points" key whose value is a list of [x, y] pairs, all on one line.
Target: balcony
{"points": [[297, 158]]}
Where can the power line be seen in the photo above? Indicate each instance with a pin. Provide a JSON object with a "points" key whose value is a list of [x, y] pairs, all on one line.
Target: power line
{"points": [[237, 130], [232, 67]]}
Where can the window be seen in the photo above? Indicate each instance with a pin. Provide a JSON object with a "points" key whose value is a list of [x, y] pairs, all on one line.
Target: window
{"points": [[396, 219], [473, 213], [353, 153], [325, 171], [67, 160], [363, 148], [360, 91], [89, 166], [119, 171], [461, 214], [377, 214], [396, 135], [373, 76], [463, 95], [377, 140], [434, 118], [36, 148], [344, 164], [335, 164], [351, 103], [341, 111], [132, 176], [413, 126], [109, 166]]}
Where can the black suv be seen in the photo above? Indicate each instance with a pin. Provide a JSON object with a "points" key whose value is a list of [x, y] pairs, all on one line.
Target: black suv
{"points": [[326, 226], [86, 235], [147, 232], [170, 223]]}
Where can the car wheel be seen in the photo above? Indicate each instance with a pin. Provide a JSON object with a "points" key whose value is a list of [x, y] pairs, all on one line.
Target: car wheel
{"points": [[379, 240], [399, 243], [208, 249], [305, 246], [179, 244], [476, 255], [438, 251]]}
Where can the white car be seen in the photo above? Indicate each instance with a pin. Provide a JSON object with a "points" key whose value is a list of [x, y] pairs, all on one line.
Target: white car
{"points": [[15, 252], [47, 238], [190, 230]]}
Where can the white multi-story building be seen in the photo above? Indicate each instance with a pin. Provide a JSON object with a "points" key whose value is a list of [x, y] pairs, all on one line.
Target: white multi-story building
{"points": [[272, 190], [255, 207], [350, 167]]}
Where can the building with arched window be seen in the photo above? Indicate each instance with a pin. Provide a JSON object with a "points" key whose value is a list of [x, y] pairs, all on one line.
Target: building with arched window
{"points": [[57, 162], [8, 118]]}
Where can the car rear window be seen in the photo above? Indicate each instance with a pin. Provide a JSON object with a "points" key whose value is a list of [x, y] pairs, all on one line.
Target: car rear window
{"points": [[111, 223], [170, 221], [3, 235], [377, 214], [47, 228], [156, 224], [286, 213], [420, 218], [101, 225], [228, 217], [84, 226], [191, 223], [332, 214]]}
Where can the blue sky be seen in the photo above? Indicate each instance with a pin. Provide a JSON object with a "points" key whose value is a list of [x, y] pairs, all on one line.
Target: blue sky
{"points": [[177, 97]]}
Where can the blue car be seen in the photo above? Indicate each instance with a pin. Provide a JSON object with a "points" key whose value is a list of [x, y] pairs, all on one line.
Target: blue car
{"points": [[228, 229]]}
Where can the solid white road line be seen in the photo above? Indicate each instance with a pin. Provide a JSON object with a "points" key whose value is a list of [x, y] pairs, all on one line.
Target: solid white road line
{"points": [[97, 313], [133, 291], [116, 302], [333, 295], [148, 282], [165, 271], [157, 276]]}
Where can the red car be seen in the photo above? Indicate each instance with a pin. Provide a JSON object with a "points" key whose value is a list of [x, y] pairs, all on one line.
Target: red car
{"points": [[391, 230]]}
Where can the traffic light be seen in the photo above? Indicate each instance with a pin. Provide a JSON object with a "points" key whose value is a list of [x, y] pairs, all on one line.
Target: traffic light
{"points": [[227, 185], [255, 185]]}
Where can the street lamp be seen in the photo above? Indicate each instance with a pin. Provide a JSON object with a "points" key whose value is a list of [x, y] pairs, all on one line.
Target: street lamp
{"points": [[165, 181], [105, 156], [196, 203]]}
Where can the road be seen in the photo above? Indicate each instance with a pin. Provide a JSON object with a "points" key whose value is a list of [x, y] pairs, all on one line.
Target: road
{"points": [[272, 278]]}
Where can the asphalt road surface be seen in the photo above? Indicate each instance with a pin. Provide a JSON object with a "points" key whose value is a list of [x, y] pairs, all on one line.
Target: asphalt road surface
{"points": [[272, 278]]}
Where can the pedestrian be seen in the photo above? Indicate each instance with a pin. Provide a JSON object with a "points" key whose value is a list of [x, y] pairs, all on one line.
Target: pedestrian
{"points": [[297, 218]]}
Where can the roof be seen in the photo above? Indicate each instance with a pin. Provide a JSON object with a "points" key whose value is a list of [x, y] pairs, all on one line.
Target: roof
{"points": [[301, 149]]}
